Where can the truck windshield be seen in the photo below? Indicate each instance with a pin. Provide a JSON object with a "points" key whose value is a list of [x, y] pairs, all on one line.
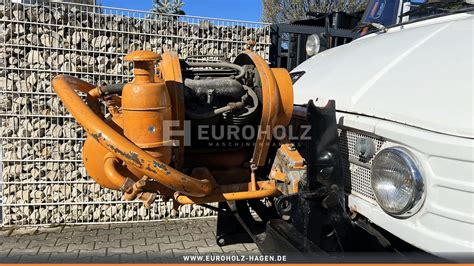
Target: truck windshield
{"points": [[391, 12], [419, 9]]}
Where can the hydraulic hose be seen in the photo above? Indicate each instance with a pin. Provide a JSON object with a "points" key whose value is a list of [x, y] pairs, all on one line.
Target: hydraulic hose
{"points": [[121, 147], [112, 89]]}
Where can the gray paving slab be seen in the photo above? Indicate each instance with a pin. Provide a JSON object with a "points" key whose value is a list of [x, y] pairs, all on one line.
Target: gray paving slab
{"points": [[152, 242]]}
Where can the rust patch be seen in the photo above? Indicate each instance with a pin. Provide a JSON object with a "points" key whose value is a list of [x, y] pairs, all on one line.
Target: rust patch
{"points": [[96, 136], [150, 169], [162, 167], [132, 156]]}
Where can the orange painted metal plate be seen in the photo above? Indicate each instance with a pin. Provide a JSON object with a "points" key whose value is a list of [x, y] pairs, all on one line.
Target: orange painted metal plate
{"points": [[276, 110], [170, 71]]}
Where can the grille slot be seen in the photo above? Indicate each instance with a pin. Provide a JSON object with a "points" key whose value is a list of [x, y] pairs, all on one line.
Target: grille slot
{"points": [[356, 170]]}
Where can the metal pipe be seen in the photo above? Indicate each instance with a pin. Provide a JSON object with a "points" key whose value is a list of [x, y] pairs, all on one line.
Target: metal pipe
{"points": [[111, 173], [206, 72], [111, 164], [225, 87], [92, 94], [220, 65], [121, 147], [233, 192], [229, 107]]}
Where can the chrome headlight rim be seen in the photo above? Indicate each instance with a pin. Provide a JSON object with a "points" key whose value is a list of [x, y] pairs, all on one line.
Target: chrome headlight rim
{"points": [[312, 51], [419, 192]]}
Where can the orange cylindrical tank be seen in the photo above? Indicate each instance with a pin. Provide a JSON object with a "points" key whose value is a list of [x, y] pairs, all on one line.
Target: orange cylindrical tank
{"points": [[145, 105]]}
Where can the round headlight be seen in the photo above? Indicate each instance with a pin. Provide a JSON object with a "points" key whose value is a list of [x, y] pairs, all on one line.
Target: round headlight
{"points": [[313, 44], [397, 182]]}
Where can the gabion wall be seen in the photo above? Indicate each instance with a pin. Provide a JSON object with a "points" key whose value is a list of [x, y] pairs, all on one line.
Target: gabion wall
{"points": [[43, 179]]}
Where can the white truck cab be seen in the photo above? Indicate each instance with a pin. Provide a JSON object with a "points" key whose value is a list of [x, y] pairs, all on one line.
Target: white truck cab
{"points": [[404, 97]]}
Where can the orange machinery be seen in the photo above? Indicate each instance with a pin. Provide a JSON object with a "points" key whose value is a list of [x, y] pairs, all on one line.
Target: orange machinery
{"points": [[130, 149]]}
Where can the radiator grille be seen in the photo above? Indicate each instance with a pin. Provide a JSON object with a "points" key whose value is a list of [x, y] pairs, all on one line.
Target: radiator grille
{"points": [[357, 176]]}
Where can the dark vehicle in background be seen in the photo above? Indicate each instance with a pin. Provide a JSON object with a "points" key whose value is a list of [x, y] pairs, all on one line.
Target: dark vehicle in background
{"points": [[293, 43]]}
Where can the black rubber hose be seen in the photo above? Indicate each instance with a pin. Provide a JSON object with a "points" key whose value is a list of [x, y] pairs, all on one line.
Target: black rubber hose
{"points": [[112, 89]]}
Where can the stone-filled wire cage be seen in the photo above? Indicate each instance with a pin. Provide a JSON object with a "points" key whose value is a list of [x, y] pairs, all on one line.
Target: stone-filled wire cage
{"points": [[43, 180]]}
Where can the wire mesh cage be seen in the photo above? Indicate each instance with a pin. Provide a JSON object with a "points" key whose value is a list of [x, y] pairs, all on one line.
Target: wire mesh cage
{"points": [[43, 180]]}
